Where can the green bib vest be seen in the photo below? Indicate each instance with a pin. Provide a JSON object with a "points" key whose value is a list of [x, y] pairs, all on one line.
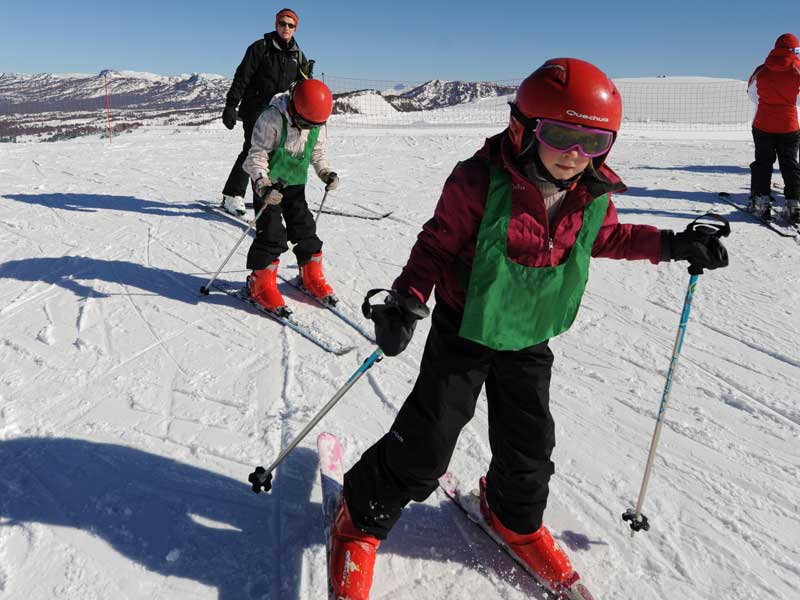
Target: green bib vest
{"points": [[292, 169], [510, 306]]}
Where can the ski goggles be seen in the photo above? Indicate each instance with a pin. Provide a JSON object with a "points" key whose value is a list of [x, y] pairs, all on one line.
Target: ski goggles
{"points": [[565, 137], [304, 124], [796, 51]]}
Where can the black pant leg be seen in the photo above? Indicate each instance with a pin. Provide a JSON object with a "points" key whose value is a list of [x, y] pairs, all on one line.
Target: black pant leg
{"points": [[270, 240], [761, 167], [522, 436], [788, 146], [236, 184], [406, 463], [300, 226]]}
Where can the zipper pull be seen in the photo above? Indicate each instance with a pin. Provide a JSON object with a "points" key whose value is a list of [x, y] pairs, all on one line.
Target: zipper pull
{"points": [[550, 243]]}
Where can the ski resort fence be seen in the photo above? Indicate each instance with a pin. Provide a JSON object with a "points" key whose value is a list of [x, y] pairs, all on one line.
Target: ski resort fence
{"points": [[652, 103]]}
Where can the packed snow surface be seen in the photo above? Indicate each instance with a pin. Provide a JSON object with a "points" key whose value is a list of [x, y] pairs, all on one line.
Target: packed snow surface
{"points": [[132, 409]]}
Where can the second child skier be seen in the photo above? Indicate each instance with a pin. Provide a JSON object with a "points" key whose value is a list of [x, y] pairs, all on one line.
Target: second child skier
{"points": [[508, 251], [287, 138]]}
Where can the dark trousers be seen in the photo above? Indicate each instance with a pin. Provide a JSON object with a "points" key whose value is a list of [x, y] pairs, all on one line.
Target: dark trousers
{"points": [[784, 146], [406, 463], [272, 236], [236, 185]]}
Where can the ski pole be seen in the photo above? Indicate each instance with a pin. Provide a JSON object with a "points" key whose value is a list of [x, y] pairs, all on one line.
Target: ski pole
{"points": [[638, 521], [261, 477], [319, 210], [279, 185]]}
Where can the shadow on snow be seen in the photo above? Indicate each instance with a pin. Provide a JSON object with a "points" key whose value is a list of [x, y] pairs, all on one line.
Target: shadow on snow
{"points": [[182, 521]]}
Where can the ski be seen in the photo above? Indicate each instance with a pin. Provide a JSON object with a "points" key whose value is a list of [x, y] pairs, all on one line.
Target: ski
{"points": [[347, 316], [332, 304], [331, 474], [287, 319], [340, 213], [784, 230], [469, 504]]}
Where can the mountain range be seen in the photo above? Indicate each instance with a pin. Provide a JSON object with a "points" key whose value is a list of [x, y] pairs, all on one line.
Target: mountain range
{"points": [[45, 106]]}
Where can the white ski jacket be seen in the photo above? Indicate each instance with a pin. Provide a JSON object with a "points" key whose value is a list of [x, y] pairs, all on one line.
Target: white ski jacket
{"points": [[267, 135]]}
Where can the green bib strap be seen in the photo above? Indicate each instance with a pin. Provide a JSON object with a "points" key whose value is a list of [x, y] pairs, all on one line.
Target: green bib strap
{"points": [[510, 306], [292, 169]]}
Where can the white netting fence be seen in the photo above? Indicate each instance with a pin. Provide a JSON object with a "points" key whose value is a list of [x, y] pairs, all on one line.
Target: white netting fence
{"points": [[663, 103]]}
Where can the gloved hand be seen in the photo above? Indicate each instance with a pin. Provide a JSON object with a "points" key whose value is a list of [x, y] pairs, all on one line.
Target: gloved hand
{"points": [[331, 180], [264, 189], [229, 116], [702, 250], [395, 319]]}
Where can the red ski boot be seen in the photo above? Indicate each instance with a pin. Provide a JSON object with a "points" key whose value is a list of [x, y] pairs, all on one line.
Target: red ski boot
{"points": [[314, 282], [352, 558], [262, 285], [538, 550]]}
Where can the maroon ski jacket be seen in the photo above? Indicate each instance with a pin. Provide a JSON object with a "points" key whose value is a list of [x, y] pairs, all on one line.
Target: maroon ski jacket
{"points": [[443, 253]]}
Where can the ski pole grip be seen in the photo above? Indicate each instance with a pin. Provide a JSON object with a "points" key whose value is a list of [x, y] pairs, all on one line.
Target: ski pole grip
{"points": [[712, 225], [718, 229]]}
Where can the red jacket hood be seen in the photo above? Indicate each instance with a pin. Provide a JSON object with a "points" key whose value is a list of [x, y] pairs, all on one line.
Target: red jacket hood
{"points": [[782, 59]]}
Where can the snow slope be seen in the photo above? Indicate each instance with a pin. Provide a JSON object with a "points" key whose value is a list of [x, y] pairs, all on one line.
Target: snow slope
{"points": [[132, 410]]}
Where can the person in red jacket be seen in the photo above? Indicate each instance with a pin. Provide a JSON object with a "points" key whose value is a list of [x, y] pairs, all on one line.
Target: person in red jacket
{"points": [[774, 87], [508, 251]]}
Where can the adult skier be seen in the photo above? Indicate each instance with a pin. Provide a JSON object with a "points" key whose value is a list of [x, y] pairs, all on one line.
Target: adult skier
{"points": [[774, 87], [287, 138], [270, 65], [508, 251]]}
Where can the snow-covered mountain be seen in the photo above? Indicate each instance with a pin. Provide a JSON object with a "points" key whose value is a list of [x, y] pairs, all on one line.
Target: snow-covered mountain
{"points": [[52, 107], [127, 89], [438, 94]]}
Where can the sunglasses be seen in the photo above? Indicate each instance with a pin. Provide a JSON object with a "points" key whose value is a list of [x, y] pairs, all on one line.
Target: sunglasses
{"points": [[564, 137], [287, 24]]}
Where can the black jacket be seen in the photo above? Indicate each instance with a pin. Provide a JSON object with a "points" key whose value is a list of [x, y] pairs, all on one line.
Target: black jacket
{"points": [[269, 67]]}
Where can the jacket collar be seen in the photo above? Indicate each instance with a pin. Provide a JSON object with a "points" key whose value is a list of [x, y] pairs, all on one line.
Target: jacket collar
{"points": [[275, 42]]}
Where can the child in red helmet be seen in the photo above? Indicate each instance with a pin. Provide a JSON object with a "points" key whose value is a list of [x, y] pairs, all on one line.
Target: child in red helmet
{"points": [[508, 251], [287, 138]]}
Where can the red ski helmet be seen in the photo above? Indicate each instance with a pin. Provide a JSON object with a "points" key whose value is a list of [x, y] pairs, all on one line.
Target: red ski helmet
{"points": [[311, 101], [564, 89]]}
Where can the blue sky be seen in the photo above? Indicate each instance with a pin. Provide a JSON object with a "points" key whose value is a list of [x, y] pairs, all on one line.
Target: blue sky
{"points": [[404, 41]]}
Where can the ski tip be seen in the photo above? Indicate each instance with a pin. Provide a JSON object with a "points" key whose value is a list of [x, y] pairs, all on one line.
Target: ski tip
{"points": [[326, 436]]}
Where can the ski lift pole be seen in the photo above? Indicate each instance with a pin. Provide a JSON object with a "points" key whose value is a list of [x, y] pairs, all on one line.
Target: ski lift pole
{"points": [[261, 477], [638, 521]]}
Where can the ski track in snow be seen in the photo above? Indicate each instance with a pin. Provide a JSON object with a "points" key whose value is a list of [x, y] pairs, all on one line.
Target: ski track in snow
{"points": [[105, 342]]}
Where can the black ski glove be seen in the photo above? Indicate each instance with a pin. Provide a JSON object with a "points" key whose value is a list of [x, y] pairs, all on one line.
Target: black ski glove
{"points": [[702, 250], [395, 319], [229, 116], [331, 181]]}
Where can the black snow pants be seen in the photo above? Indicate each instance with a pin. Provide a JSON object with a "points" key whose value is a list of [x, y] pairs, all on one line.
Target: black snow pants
{"points": [[271, 235], [406, 463], [236, 184], [769, 145]]}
